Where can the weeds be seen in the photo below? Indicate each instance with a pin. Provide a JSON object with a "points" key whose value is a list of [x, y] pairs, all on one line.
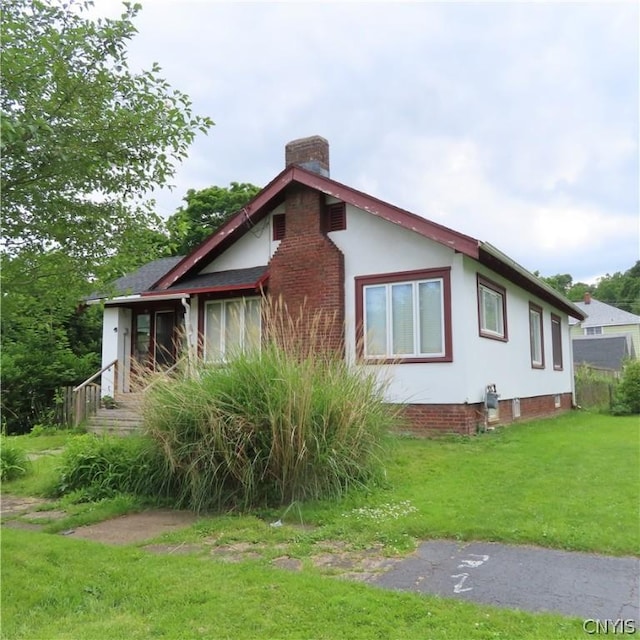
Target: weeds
{"points": [[13, 461], [382, 513], [95, 468]]}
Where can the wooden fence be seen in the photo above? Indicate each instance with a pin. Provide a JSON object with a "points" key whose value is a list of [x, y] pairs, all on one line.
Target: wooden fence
{"points": [[595, 387], [73, 408]]}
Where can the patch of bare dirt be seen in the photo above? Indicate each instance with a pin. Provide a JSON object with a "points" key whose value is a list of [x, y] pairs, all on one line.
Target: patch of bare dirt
{"points": [[333, 557]]}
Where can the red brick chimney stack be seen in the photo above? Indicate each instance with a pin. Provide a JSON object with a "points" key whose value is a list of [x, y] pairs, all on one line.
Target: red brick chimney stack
{"points": [[307, 269], [309, 153], [587, 298]]}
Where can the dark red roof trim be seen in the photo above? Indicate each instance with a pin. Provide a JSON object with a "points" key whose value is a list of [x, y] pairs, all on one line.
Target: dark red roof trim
{"points": [[220, 289], [274, 193], [516, 277]]}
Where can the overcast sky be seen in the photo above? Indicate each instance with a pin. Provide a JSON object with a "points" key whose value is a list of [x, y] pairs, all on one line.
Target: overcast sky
{"points": [[515, 123]]}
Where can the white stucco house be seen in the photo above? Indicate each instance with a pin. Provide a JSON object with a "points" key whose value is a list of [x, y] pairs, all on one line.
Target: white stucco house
{"points": [[451, 319]]}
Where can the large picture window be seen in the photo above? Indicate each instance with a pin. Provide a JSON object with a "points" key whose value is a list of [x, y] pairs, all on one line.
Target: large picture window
{"points": [[231, 326], [404, 316], [536, 336], [492, 310]]}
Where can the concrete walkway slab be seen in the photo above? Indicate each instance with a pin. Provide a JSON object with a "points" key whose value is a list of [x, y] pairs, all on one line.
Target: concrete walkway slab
{"points": [[135, 527]]}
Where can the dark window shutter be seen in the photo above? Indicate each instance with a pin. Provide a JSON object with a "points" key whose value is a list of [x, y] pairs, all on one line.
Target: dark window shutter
{"points": [[335, 217], [279, 226]]}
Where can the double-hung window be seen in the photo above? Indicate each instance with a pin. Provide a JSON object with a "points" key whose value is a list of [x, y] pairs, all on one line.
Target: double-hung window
{"points": [[492, 310], [536, 336], [405, 316], [231, 326]]}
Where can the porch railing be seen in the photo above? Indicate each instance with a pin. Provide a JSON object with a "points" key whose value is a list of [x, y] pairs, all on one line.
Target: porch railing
{"points": [[86, 395]]}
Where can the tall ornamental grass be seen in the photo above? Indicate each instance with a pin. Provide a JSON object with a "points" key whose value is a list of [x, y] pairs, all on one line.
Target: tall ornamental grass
{"points": [[270, 426]]}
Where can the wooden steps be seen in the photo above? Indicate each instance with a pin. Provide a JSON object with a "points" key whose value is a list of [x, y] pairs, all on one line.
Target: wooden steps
{"points": [[124, 419]]}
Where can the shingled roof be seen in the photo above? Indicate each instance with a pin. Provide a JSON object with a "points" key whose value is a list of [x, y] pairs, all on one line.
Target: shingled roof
{"points": [[140, 280], [606, 351], [601, 314], [240, 278]]}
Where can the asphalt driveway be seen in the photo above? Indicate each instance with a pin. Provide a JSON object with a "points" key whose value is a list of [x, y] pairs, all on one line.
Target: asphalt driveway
{"points": [[589, 586]]}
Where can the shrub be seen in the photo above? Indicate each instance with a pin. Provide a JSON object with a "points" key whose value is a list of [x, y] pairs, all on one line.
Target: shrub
{"points": [[268, 428], [39, 430], [628, 392], [101, 467], [13, 461]]}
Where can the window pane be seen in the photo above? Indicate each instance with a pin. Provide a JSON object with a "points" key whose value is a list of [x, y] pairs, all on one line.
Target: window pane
{"points": [[232, 328], [143, 338], [252, 324], [402, 318], [536, 341], [164, 347], [213, 331], [375, 321], [491, 310], [431, 320]]}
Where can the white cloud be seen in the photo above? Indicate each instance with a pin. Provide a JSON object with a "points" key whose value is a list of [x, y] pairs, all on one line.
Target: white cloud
{"points": [[505, 121]]}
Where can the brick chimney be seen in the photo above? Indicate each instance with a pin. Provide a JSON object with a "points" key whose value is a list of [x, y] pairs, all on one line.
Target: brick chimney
{"points": [[309, 153], [587, 297], [307, 270]]}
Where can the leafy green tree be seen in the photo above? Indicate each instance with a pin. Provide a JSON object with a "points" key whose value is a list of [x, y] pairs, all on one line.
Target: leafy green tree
{"points": [[577, 290], [83, 137], [620, 290], [560, 282], [83, 140], [206, 210]]}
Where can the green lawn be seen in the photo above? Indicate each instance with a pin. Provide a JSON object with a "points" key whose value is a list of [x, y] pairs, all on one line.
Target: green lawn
{"points": [[62, 589], [569, 483]]}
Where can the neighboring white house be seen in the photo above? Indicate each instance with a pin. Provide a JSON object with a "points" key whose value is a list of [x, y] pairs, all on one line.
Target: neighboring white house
{"points": [[449, 318]]}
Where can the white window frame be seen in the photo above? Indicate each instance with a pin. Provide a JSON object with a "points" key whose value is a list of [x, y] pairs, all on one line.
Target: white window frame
{"points": [[416, 354], [499, 295], [536, 336], [225, 303], [593, 331]]}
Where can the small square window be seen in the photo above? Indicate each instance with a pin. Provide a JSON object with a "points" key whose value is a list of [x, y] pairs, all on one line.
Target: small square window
{"points": [[279, 225]]}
